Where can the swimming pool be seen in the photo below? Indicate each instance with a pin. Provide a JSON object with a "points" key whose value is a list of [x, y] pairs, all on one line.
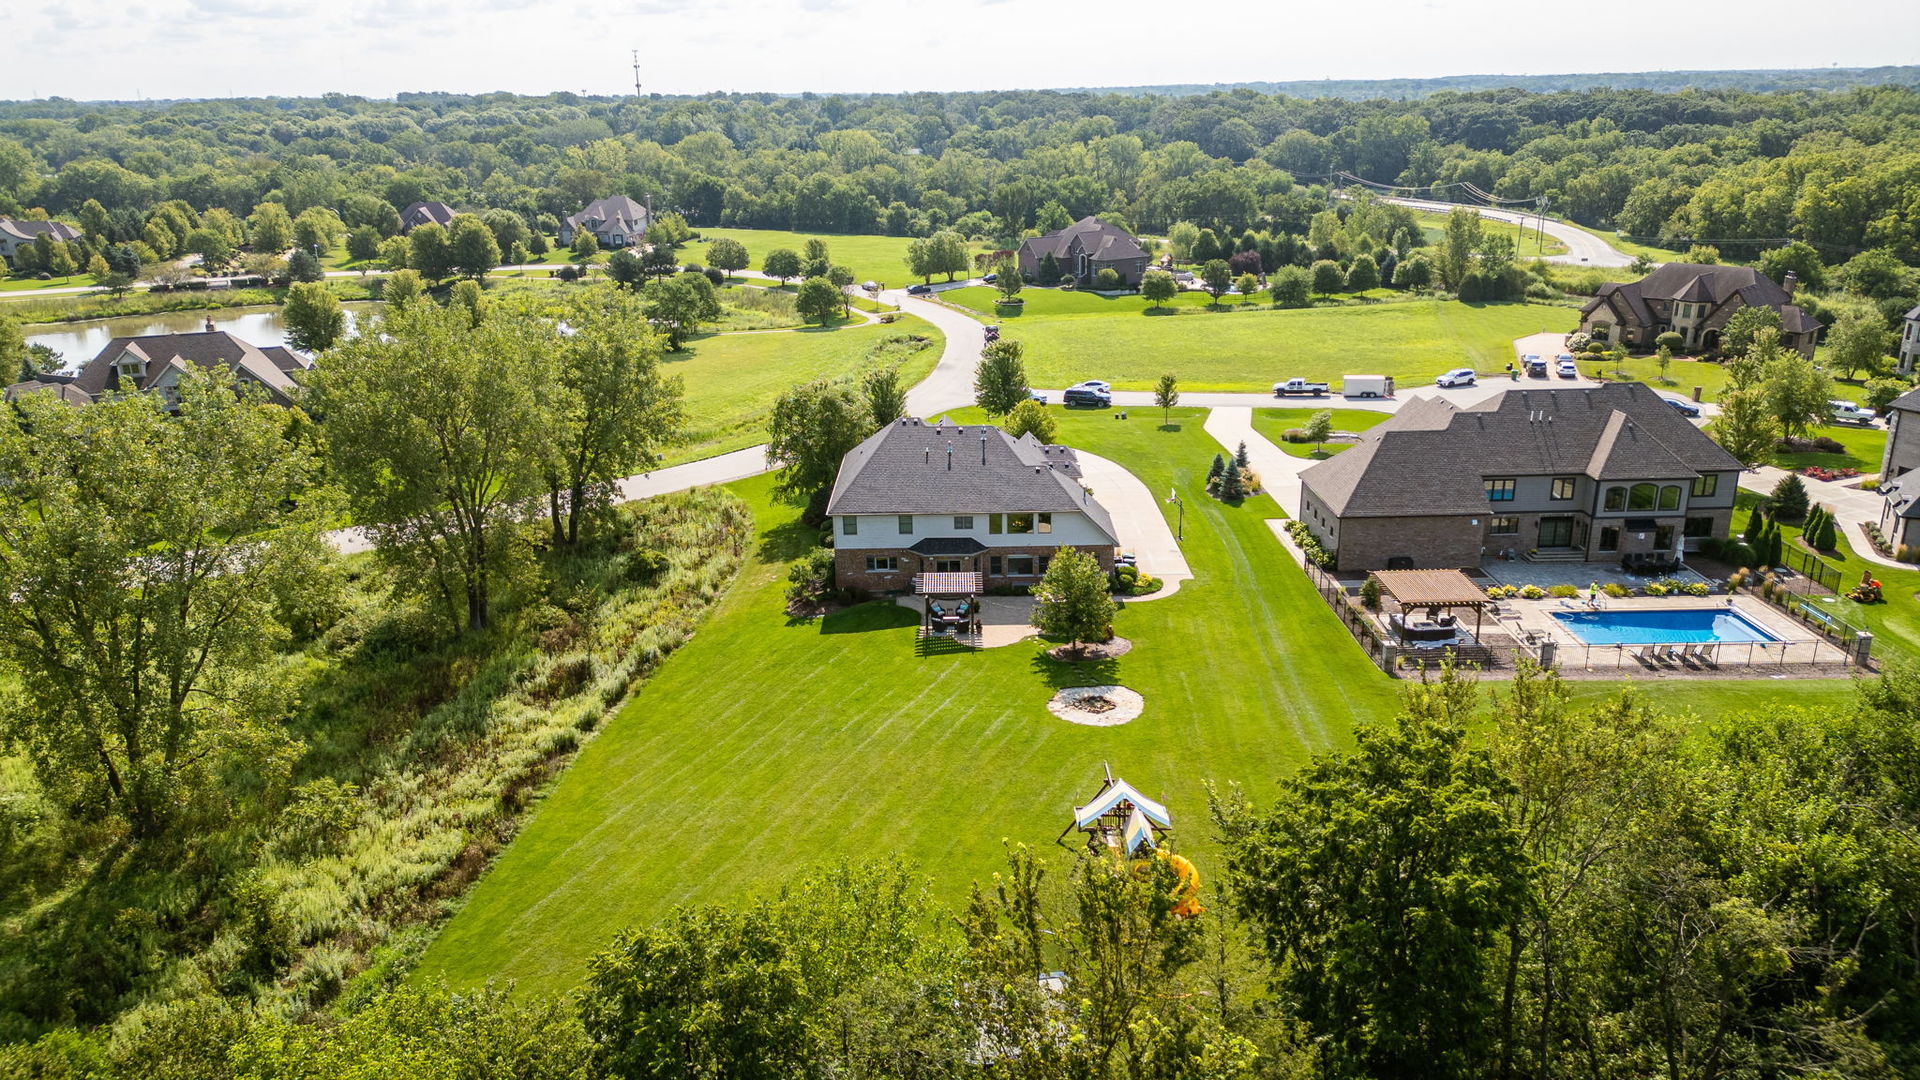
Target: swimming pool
{"points": [[1657, 627]]}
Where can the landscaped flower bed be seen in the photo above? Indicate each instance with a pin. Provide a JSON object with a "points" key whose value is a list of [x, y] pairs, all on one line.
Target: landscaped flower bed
{"points": [[1816, 472]]}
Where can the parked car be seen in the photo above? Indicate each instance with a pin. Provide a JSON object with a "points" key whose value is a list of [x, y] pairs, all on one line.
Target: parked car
{"points": [[1086, 395], [1299, 386], [1567, 369], [1101, 385], [919, 290], [1457, 377], [1535, 364], [871, 286], [1687, 408], [1038, 396], [990, 278], [1846, 412]]}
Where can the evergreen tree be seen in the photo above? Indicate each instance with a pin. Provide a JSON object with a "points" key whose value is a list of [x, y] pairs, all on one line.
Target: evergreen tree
{"points": [[1756, 525], [1789, 499], [1233, 484], [1240, 457], [1219, 466]]}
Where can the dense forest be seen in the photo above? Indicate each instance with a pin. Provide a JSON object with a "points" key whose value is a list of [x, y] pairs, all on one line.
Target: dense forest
{"points": [[1839, 170], [1662, 81]]}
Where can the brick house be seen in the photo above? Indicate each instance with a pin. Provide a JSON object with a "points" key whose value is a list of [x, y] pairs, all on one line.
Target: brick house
{"points": [[1564, 475], [1694, 300], [153, 364], [1083, 249], [425, 213], [16, 233], [934, 497], [616, 221]]}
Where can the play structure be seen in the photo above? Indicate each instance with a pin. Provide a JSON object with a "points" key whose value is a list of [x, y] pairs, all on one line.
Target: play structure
{"points": [[1127, 825]]}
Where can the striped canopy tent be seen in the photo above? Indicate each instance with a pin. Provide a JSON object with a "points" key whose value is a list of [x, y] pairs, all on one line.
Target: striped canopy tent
{"points": [[1120, 817]]}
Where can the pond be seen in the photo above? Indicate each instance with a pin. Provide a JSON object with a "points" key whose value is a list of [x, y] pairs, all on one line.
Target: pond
{"points": [[79, 342]]}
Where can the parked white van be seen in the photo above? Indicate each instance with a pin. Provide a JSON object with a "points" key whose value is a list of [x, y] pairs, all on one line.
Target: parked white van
{"points": [[1846, 412]]}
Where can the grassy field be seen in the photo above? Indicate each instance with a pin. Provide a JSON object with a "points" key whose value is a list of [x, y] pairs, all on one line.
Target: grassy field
{"points": [[1895, 624], [1273, 423], [769, 744], [733, 379], [1074, 336], [1684, 375], [1433, 229], [983, 301], [871, 258], [1864, 447], [28, 285]]}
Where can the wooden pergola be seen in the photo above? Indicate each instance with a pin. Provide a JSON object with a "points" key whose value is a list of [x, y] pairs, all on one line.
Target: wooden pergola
{"points": [[1434, 590], [950, 605]]}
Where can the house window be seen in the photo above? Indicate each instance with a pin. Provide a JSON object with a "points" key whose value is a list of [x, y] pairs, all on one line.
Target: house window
{"points": [[963, 522], [1609, 539], [1020, 523], [949, 566], [1046, 523], [1504, 526], [1704, 486], [850, 526], [1019, 566], [1562, 488], [906, 524], [994, 567], [882, 564], [1698, 527], [1670, 497], [1642, 497], [996, 523], [1499, 490], [1616, 498]]}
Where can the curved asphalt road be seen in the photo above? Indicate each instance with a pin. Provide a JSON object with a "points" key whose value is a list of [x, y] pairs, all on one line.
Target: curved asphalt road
{"points": [[1583, 248]]}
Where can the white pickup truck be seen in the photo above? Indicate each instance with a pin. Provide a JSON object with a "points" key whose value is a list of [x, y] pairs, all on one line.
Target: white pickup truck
{"points": [[1300, 386]]}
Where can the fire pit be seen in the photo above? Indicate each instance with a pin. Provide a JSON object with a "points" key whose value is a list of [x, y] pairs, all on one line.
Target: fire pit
{"points": [[1097, 706]]}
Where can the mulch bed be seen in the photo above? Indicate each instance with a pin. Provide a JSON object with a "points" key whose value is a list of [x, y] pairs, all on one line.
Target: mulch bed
{"points": [[1075, 654]]}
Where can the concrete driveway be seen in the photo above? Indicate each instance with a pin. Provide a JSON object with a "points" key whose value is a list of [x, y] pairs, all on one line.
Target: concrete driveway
{"points": [[1136, 517]]}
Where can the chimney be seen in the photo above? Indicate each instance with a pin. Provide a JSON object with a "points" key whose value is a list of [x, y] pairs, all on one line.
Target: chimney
{"points": [[1790, 281]]}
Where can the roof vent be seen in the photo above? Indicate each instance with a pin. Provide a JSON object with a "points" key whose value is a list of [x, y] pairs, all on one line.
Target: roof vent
{"points": [[983, 448], [949, 457]]}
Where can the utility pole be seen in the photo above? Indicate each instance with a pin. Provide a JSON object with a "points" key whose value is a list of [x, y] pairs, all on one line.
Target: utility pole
{"points": [[636, 73]]}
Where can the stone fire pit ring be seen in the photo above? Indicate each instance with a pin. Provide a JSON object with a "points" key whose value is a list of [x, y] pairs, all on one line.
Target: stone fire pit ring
{"points": [[1097, 706]]}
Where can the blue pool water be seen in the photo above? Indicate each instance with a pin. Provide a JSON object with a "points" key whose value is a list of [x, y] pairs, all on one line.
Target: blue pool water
{"points": [[1661, 627]]}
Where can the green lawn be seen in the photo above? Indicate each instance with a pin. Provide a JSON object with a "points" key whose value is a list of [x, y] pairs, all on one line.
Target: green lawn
{"points": [[1073, 336], [767, 745], [733, 379], [1864, 447], [1683, 375], [1433, 229], [1895, 624], [1273, 423], [27, 284], [871, 258]]}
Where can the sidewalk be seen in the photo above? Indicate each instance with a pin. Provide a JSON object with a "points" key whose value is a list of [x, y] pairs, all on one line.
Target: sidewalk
{"points": [[1851, 507], [1279, 471]]}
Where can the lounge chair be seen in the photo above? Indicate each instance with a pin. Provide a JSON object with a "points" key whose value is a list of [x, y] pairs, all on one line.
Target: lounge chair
{"points": [[1645, 655]]}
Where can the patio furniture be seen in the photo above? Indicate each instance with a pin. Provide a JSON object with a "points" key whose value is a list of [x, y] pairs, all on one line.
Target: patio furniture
{"points": [[961, 621]]}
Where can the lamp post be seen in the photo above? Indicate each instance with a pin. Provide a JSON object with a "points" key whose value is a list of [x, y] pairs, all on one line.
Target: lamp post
{"points": [[1173, 496]]}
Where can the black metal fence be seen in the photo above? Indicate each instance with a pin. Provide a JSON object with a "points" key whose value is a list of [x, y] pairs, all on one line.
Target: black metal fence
{"points": [[1813, 570]]}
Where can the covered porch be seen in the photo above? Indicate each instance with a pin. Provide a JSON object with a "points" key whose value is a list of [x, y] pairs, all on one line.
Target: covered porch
{"points": [[949, 606]]}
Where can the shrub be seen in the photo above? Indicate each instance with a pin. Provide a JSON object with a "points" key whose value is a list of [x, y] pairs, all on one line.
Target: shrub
{"points": [[1907, 553], [1596, 348], [1697, 588], [1294, 435], [1869, 485], [1532, 592], [1671, 341], [1616, 590], [810, 578], [1578, 341], [1789, 499], [1563, 592], [1370, 594]]}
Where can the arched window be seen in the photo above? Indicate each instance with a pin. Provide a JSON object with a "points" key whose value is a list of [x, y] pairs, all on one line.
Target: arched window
{"points": [[1670, 497], [1642, 497], [1616, 498]]}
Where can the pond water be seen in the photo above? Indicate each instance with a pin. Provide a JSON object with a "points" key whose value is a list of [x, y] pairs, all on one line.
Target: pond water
{"points": [[79, 342]]}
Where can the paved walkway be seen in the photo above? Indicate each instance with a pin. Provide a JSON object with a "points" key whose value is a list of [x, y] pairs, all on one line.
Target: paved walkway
{"points": [[1279, 471], [1137, 518], [1851, 507]]}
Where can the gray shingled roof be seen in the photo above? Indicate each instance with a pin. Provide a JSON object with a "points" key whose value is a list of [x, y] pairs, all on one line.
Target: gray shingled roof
{"points": [[64, 390], [1907, 402], [207, 349], [424, 213], [1102, 242], [905, 468], [1905, 504], [614, 209], [24, 229], [1700, 283], [1431, 457]]}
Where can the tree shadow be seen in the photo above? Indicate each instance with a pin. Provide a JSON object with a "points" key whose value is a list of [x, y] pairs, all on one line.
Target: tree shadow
{"points": [[786, 542], [1060, 674], [869, 617], [1168, 427]]}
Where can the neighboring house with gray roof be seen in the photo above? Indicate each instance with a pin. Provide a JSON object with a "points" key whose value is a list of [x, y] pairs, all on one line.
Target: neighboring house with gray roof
{"points": [[935, 497], [16, 232], [1694, 300], [1565, 475], [615, 222], [155, 363], [1083, 249], [426, 213], [1902, 453]]}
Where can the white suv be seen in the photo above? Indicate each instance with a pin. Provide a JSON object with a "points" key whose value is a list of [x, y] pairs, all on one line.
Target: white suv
{"points": [[1457, 377]]}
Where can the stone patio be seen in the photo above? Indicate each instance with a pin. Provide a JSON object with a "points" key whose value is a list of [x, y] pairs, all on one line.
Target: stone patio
{"points": [[1577, 574], [1532, 621], [1004, 620]]}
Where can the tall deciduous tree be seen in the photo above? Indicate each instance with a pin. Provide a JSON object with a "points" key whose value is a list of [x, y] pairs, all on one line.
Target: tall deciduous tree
{"points": [[1158, 287], [269, 229], [1859, 339], [1746, 428], [812, 428], [317, 230], [886, 398], [1217, 277], [1292, 287], [728, 254], [1377, 881], [612, 407], [429, 252], [1000, 382], [948, 252], [678, 308], [1463, 239], [1796, 392], [471, 247], [1327, 278], [140, 553], [438, 429], [313, 315], [781, 263], [1072, 602], [818, 301]]}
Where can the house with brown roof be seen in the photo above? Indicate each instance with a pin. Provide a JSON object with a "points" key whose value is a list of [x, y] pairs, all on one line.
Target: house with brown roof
{"points": [[1082, 250], [425, 213], [615, 222], [16, 232], [1694, 300], [1551, 475], [154, 364], [936, 497]]}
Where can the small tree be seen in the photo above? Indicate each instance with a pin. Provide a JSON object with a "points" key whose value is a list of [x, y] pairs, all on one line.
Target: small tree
{"points": [[1370, 593], [585, 244], [885, 396], [1881, 392], [1007, 279], [782, 263], [1319, 428], [1031, 418], [1327, 278], [728, 254], [1050, 272], [1071, 603], [1219, 466], [1217, 277], [1158, 287], [1233, 484], [1756, 525], [1363, 274], [1240, 457], [1246, 285], [818, 301], [1000, 382], [1745, 428], [1789, 499], [1292, 287], [1166, 394], [313, 317], [1828, 538], [304, 265], [1107, 279], [1663, 359]]}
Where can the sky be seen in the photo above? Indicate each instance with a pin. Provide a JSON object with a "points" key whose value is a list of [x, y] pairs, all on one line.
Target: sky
{"points": [[123, 49]]}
